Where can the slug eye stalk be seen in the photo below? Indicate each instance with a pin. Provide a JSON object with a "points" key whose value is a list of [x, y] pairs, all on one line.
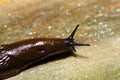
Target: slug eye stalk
{"points": [[70, 40], [16, 57]]}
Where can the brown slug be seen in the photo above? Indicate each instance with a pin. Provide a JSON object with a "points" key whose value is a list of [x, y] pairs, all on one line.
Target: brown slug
{"points": [[17, 56]]}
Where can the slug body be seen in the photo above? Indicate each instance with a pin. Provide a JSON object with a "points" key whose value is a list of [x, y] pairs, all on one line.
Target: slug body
{"points": [[15, 57]]}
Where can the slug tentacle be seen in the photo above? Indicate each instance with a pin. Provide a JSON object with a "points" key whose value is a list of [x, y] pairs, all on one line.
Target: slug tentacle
{"points": [[73, 33], [70, 40], [18, 56]]}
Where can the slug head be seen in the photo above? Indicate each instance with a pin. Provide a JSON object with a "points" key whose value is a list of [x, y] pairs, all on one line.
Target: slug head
{"points": [[70, 40]]}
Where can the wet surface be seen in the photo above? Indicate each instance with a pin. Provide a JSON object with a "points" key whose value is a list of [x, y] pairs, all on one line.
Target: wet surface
{"points": [[100, 27]]}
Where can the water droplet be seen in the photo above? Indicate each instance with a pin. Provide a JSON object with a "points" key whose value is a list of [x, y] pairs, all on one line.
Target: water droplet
{"points": [[105, 25], [95, 40], [102, 32], [100, 23], [31, 72], [20, 16], [30, 33], [112, 33], [118, 10], [49, 27], [63, 34], [80, 4], [68, 30], [105, 15], [9, 14], [80, 35], [67, 12], [57, 36], [102, 8], [94, 20], [95, 6], [86, 76], [5, 26]]}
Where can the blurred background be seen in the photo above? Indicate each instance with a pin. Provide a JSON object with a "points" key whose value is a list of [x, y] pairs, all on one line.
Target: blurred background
{"points": [[99, 26]]}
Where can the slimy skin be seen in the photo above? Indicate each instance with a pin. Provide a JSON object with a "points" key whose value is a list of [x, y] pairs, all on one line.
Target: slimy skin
{"points": [[17, 56]]}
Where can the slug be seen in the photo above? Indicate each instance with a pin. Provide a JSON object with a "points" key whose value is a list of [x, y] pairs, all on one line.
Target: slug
{"points": [[17, 56]]}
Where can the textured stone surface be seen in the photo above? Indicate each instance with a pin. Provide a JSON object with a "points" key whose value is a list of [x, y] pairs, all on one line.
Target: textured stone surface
{"points": [[100, 26]]}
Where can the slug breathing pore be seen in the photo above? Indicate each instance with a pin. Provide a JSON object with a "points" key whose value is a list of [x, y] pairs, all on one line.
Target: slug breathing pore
{"points": [[69, 41]]}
